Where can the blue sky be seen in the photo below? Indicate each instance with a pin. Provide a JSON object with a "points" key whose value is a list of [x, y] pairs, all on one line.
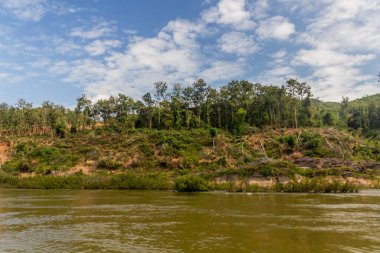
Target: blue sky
{"points": [[56, 50]]}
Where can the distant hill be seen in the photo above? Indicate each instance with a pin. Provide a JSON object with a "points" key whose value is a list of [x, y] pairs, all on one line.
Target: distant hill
{"points": [[334, 107], [326, 106], [365, 101]]}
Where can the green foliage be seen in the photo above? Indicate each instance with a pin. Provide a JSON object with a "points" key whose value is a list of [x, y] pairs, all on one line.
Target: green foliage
{"points": [[191, 183], [291, 141], [146, 150], [80, 181], [213, 132], [46, 154], [60, 130], [318, 185], [288, 139], [311, 140], [328, 119], [109, 164], [309, 185], [17, 166], [269, 170]]}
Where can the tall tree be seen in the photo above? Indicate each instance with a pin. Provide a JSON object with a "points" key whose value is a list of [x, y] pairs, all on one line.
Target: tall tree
{"points": [[297, 90], [160, 95]]}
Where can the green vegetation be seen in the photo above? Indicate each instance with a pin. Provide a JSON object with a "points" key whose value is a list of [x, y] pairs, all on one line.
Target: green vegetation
{"points": [[191, 183], [126, 181], [191, 138], [313, 185]]}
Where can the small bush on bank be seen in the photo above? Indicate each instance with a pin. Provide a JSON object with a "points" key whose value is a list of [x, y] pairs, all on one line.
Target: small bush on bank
{"points": [[17, 166], [109, 164], [311, 140], [288, 139], [191, 183]]}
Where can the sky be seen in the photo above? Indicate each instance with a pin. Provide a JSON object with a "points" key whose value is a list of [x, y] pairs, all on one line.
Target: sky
{"points": [[57, 50]]}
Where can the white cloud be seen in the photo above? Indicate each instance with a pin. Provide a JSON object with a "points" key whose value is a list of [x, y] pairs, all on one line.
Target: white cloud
{"points": [[277, 27], [344, 37], [32, 10], [279, 54], [333, 82], [344, 10], [35, 10], [4, 75], [237, 43], [101, 29], [277, 75], [100, 47], [59, 68], [260, 9], [324, 57], [230, 12], [11, 66], [67, 47], [337, 47], [173, 55], [7, 77], [222, 70]]}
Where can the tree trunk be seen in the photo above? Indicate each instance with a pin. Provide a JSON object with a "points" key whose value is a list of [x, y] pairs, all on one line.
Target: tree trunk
{"points": [[219, 118]]}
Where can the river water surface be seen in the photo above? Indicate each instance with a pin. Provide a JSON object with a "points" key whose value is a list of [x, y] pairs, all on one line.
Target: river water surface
{"points": [[132, 221]]}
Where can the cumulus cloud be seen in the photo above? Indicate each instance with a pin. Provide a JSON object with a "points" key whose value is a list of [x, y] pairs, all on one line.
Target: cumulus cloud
{"points": [[237, 43], [32, 10], [100, 29], [344, 38], [336, 46], [172, 55], [279, 54], [230, 12], [35, 10], [277, 27], [223, 70], [324, 57], [100, 47]]}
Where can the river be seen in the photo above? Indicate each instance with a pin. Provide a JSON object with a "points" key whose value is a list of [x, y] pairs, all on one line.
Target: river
{"points": [[153, 221]]}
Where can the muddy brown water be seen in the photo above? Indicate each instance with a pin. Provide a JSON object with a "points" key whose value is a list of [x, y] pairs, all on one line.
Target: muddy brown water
{"points": [[160, 221]]}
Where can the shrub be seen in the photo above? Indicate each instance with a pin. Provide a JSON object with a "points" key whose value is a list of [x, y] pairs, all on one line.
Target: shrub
{"points": [[109, 164], [268, 170], [311, 141], [191, 183], [15, 166], [60, 130], [46, 153], [291, 141], [24, 148], [146, 150]]}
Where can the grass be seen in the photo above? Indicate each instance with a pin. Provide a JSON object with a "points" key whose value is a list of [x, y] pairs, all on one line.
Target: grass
{"points": [[184, 183], [182, 160], [126, 181], [312, 185]]}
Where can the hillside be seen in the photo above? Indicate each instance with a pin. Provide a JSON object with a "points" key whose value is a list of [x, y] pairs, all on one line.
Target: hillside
{"points": [[263, 158], [334, 107], [366, 101]]}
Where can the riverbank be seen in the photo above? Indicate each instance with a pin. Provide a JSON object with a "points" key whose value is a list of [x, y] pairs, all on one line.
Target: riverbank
{"points": [[188, 183], [281, 160]]}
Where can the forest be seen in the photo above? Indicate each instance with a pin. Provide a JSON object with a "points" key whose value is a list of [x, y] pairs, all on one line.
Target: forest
{"points": [[242, 136], [235, 107]]}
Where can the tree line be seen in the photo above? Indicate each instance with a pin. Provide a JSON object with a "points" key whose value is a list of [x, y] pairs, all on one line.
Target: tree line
{"points": [[233, 107]]}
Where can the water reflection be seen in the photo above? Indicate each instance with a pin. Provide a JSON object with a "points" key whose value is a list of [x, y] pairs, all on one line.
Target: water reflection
{"points": [[127, 221]]}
